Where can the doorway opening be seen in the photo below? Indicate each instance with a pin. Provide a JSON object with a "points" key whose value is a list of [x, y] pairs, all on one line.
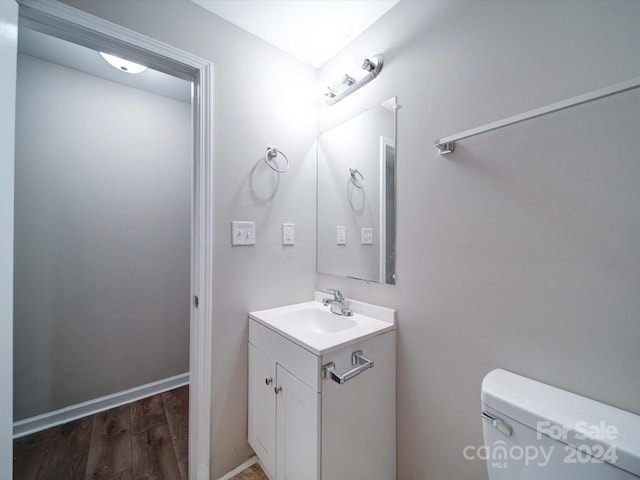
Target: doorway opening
{"points": [[79, 28]]}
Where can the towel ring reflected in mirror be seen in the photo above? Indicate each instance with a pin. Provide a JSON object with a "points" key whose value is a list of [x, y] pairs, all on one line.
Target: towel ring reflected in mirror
{"points": [[356, 178], [269, 157]]}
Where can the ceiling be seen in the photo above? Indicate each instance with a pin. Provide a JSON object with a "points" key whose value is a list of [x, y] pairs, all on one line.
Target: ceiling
{"points": [[70, 55], [310, 30]]}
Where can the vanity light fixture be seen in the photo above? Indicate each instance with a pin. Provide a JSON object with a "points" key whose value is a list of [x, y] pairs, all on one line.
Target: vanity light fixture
{"points": [[348, 85], [123, 65]]}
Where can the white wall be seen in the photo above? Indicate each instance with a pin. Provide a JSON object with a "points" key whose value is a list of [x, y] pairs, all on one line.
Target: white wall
{"points": [[520, 250], [102, 237], [262, 97], [8, 50]]}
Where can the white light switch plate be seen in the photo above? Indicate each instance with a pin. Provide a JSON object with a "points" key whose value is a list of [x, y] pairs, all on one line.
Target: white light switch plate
{"points": [[367, 236], [288, 234], [341, 235], [243, 233]]}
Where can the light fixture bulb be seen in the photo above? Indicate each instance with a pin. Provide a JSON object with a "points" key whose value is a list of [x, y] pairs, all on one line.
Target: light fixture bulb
{"points": [[348, 80], [363, 62], [123, 65], [330, 93], [367, 65]]}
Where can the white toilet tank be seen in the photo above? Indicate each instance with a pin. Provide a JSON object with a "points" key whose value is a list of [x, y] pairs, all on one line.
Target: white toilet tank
{"points": [[534, 431]]}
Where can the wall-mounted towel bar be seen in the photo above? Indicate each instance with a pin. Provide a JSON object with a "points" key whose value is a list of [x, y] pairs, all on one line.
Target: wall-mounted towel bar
{"points": [[447, 144]]}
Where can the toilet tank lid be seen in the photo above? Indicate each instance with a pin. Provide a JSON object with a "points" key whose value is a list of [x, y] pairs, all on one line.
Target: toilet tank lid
{"points": [[566, 417]]}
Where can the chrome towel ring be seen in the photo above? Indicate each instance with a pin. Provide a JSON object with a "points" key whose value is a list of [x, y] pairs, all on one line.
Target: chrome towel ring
{"points": [[355, 173], [269, 157]]}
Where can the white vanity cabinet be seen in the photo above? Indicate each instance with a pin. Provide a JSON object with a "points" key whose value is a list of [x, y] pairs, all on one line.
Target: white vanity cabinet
{"points": [[283, 419], [306, 427]]}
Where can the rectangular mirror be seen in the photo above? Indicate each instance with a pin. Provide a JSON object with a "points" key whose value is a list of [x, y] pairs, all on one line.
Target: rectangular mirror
{"points": [[357, 196]]}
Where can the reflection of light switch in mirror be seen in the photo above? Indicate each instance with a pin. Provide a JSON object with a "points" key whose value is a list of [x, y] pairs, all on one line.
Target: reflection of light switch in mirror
{"points": [[367, 236], [288, 234], [341, 235], [243, 233]]}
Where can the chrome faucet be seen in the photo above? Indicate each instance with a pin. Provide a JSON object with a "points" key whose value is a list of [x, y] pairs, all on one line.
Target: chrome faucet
{"points": [[337, 304]]}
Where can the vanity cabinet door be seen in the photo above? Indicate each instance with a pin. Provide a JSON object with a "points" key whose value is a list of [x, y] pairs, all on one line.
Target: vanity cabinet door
{"points": [[298, 432], [359, 416], [262, 407]]}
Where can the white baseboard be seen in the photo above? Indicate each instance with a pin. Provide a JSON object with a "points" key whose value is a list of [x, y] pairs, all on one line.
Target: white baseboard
{"points": [[252, 461], [91, 407]]}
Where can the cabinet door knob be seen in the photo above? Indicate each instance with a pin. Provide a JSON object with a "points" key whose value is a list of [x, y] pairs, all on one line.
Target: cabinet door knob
{"points": [[277, 390], [268, 381]]}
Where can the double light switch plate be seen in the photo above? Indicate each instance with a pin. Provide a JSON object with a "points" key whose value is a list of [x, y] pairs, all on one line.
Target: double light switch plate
{"points": [[243, 233], [367, 236]]}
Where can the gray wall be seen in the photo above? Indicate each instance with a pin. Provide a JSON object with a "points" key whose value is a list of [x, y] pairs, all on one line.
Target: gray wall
{"points": [[520, 250], [521, 257], [8, 49], [102, 237], [262, 97]]}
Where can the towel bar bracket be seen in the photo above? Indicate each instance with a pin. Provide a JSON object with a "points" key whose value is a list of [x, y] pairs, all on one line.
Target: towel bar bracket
{"points": [[445, 148]]}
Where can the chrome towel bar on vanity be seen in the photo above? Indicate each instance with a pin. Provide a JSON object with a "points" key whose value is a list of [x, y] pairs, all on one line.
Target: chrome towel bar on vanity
{"points": [[329, 370]]}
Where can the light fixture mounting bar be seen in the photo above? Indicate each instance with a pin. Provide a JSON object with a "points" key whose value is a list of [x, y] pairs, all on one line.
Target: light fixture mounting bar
{"points": [[377, 61]]}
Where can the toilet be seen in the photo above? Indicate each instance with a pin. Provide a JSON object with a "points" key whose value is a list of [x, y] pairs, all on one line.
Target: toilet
{"points": [[535, 431]]}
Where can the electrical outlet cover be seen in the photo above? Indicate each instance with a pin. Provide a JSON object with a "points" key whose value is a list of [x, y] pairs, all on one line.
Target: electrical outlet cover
{"points": [[341, 235], [288, 234], [367, 236]]}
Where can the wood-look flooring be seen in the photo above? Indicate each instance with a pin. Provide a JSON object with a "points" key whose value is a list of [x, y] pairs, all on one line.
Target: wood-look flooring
{"points": [[146, 439], [254, 472]]}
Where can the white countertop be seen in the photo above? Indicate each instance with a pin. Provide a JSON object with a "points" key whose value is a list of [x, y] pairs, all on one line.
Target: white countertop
{"points": [[367, 321]]}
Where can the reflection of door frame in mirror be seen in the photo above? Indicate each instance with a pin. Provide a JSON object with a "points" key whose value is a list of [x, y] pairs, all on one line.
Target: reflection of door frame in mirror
{"points": [[79, 27], [382, 235]]}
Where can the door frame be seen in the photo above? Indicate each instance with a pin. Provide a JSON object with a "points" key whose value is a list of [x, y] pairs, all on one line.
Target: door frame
{"points": [[384, 142], [74, 25], [8, 52]]}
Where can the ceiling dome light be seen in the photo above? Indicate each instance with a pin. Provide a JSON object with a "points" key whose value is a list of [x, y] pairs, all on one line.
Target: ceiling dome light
{"points": [[123, 65]]}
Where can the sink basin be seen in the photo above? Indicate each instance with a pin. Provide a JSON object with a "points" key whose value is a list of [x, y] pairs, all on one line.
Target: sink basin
{"points": [[312, 326], [317, 321]]}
